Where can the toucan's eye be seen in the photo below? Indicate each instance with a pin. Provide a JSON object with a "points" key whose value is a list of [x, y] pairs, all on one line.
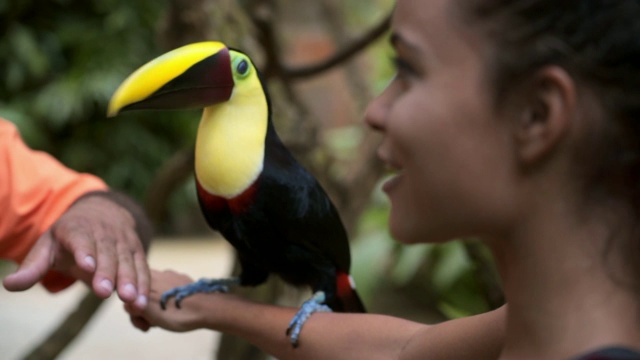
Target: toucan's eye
{"points": [[243, 67]]}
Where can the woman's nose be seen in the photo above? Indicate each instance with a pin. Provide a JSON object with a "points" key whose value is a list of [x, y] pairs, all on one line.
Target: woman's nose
{"points": [[376, 112]]}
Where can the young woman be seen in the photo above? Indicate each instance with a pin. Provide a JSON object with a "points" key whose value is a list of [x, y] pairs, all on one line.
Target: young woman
{"points": [[516, 122]]}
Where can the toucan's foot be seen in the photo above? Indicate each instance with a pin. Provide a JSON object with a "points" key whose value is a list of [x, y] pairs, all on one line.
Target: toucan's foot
{"points": [[200, 286], [315, 304]]}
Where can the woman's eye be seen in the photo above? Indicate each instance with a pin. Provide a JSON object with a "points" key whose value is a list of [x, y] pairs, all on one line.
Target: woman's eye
{"points": [[403, 67], [404, 73]]}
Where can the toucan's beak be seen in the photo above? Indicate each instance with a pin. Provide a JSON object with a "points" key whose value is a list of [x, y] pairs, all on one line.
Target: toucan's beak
{"points": [[193, 76]]}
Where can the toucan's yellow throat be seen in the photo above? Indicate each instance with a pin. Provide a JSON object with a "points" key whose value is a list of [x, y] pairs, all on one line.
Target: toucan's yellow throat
{"points": [[230, 144]]}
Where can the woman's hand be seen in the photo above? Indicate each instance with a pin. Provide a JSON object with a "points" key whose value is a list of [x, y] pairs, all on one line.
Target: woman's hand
{"points": [[188, 317]]}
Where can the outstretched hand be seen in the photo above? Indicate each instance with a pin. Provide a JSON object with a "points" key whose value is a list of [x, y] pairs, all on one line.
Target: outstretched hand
{"points": [[95, 241], [173, 319]]}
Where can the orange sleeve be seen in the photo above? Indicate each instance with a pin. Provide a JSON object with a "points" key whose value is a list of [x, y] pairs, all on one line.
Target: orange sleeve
{"points": [[35, 190]]}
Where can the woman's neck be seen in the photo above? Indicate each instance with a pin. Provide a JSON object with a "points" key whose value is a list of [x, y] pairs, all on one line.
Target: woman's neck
{"points": [[561, 298]]}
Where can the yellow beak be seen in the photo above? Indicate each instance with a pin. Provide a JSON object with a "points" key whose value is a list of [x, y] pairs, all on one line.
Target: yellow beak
{"points": [[192, 76]]}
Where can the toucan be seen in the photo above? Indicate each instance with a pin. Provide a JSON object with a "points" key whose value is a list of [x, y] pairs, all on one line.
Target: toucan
{"points": [[249, 186]]}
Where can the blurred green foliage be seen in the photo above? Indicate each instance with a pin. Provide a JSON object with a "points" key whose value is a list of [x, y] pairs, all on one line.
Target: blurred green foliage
{"points": [[61, 60]]}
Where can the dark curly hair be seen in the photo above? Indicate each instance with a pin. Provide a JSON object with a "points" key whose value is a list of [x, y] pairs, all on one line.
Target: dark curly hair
{"points": [[598, 43]]}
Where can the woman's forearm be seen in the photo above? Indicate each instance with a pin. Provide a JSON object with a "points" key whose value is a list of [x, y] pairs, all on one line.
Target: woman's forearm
{"points": [[361, 336], [324, 335]]}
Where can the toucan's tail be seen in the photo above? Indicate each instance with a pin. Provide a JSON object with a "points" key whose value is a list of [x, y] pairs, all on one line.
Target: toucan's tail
{"points": [[347, 297], [352, 303]]}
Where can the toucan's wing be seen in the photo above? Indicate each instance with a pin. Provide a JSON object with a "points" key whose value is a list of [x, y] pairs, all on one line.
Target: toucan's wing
{"points": [[303, 211]]}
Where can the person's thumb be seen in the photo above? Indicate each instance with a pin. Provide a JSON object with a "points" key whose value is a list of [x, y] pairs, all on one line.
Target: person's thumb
{"points": [[34, 267]]}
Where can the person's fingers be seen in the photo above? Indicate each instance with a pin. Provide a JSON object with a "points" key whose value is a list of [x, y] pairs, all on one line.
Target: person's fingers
{"points": [[127, 279], [106, 265], [144, 279], [140, 323], [34, 267], [104, 243], [79, 241], [136, 318]]}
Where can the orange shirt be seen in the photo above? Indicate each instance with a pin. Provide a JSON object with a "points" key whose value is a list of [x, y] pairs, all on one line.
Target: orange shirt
{"points": [[35, 190]]}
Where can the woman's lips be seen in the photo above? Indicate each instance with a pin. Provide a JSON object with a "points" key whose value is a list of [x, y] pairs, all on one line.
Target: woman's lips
{"points": [[391, 183], [393, 170]]}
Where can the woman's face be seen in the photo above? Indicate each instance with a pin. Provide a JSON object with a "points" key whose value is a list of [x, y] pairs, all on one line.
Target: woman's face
{"points": [[442, 136]]}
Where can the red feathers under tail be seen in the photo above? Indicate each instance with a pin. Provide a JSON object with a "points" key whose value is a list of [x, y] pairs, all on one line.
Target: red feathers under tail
{"points": [[347, 295]]}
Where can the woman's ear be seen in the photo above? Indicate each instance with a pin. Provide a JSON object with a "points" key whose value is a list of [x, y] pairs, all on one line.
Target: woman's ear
{"points": [[546, 114]]}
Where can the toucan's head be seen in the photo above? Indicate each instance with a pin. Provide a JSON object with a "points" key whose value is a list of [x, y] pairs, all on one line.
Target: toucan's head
{"points": [[230, 145], [193, 76]]}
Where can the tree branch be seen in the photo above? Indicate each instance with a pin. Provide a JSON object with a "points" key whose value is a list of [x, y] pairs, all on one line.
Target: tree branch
{"points": [[68, 330], [340, 56]]}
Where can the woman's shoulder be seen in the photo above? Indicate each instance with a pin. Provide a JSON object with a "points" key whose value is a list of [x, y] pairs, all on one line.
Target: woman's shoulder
{"points": [[611, 353]]}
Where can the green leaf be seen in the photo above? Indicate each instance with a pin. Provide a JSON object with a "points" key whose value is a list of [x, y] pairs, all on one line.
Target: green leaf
{"points": [[451, 263], [370, 260], [409, 261]]}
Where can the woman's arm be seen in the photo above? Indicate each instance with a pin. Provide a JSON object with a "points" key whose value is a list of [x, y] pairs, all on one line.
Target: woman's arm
{"points": [[325, 335]]}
